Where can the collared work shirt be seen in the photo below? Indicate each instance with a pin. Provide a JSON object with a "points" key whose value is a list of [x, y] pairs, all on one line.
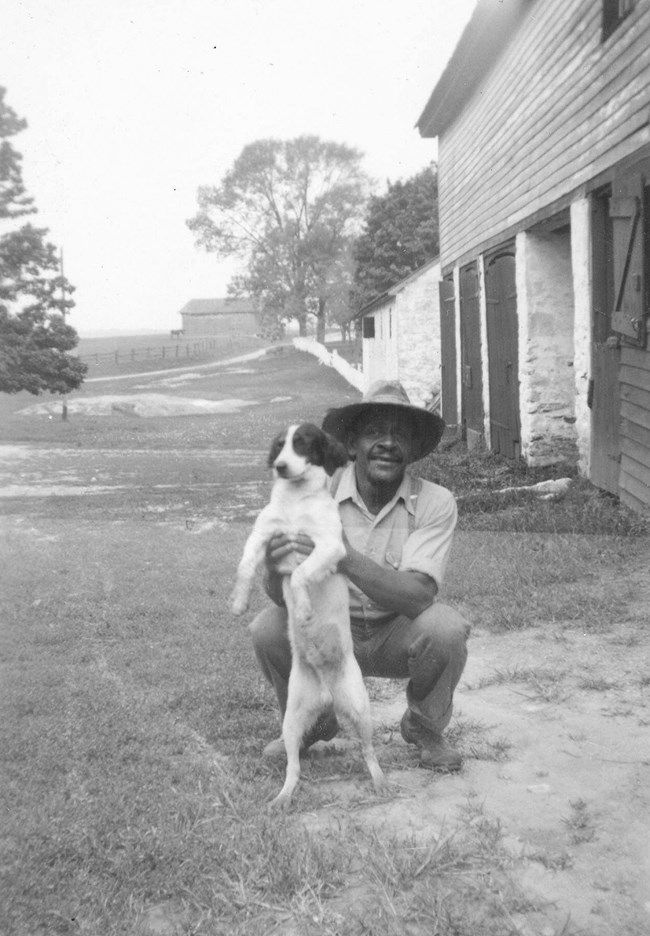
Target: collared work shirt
{"points": [[389, 539]]}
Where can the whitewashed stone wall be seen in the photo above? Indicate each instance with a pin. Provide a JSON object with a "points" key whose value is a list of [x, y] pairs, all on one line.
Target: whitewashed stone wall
{"points": [[545, 302], [406, 346], [582, 282], [418, 343], [380, 357]]}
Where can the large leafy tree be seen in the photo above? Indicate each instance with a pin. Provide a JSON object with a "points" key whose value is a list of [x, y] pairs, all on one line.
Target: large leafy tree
{"points": [[289, 210], [35, 339], [400, 234]]}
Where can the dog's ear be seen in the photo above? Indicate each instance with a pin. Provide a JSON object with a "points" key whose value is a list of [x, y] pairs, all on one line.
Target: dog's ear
{"points": [[276, 448], [335, 454]]}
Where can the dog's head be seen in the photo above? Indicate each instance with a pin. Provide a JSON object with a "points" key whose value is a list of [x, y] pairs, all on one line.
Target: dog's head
{"points": [[298, 447]]}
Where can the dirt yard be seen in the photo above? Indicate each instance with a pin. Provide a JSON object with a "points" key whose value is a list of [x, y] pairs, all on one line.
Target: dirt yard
{"points": [[554, 719]]}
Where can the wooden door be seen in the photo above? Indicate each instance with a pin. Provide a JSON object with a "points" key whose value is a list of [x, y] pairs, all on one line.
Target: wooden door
{"points": [[470, 353], [626, 214], [448, 359], [503, 352], [604, 391]]}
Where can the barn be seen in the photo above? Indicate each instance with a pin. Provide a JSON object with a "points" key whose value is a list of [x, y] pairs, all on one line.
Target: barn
{"points": [[220, 317], [543, 123]]}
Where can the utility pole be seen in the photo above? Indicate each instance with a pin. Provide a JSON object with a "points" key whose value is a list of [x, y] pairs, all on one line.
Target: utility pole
{"points": [[64, 400]]}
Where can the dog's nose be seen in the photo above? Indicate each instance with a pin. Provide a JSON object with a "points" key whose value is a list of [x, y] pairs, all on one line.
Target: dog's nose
{"points": [[281, 468]]}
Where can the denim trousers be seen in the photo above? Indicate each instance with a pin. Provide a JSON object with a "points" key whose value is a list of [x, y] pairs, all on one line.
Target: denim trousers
{"points": [[429, 650]]}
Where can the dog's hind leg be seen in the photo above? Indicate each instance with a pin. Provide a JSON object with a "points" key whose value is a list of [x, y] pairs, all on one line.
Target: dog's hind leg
{"points": [[351, 702], [305, 701]]}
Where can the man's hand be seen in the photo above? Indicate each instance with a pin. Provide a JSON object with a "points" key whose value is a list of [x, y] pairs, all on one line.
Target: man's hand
{"points": [[285, 552]]}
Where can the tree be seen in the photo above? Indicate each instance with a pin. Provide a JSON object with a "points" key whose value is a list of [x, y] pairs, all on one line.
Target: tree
{"points": [[400, 234], [289, 210], [34, 294]]}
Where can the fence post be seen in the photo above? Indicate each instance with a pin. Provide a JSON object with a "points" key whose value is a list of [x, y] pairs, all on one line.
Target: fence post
{"points": [[117, 357]]}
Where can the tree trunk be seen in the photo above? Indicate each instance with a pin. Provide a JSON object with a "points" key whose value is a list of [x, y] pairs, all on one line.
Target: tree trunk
{"points": [[320, 321]]}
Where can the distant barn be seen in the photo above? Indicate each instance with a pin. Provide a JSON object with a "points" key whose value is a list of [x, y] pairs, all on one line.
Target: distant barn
{"points": [[220, 317]]}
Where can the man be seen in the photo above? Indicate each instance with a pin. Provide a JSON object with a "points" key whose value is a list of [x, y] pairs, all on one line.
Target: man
{"points": [[397, 532]]}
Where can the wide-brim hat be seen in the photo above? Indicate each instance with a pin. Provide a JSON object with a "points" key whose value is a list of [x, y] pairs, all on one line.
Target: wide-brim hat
{"points": [[426, 427]]}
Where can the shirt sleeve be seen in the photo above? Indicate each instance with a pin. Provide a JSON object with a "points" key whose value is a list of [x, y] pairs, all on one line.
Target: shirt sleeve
{"points": [[427, 548]]}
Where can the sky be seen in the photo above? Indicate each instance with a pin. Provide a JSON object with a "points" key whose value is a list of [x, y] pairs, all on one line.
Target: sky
{"points": [[133, 104]]}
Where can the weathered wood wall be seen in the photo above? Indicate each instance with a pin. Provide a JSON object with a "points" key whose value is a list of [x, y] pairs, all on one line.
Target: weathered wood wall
{"points": [[559, 108], [634, 478]]}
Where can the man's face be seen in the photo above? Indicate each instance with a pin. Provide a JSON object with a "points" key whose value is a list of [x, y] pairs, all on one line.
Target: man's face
{"points": [[382, 445]]}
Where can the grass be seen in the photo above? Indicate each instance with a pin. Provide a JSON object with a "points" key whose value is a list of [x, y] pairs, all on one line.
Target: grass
{"points": [[478, 479], [132, 713], [580, 823], [508, 582], [131, 732], [132, 722]]}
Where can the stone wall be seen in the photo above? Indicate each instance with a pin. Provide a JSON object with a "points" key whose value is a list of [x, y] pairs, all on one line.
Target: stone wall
{"points": [[545, 302], [581, 263], [417, 307]]}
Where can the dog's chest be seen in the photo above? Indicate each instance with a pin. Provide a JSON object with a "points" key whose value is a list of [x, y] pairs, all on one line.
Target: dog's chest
{"points": [[315, 515]]}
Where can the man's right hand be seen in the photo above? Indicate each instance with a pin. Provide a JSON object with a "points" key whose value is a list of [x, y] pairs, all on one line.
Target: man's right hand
{"points": [[285, 552]]}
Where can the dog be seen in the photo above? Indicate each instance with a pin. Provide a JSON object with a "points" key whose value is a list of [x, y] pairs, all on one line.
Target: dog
{"points": [[324, 671]]}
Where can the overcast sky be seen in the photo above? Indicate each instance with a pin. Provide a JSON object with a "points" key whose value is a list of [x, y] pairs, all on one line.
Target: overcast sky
{"points": [[132, 104]]}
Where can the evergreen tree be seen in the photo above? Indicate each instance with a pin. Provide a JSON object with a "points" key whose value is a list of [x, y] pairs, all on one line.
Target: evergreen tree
{"points": [[35, 340]]}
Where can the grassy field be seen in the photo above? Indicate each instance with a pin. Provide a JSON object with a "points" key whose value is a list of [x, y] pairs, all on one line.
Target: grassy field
{"points": [[133, 714]]}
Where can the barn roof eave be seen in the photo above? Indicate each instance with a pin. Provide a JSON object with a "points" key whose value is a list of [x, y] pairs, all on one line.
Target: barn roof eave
{"points": [[483, 40]]}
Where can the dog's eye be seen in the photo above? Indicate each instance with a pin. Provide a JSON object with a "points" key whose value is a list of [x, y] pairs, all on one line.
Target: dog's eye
{"points": [[300, 443]]}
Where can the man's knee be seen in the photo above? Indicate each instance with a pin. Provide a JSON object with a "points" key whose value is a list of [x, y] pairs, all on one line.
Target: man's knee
{"points": [[269, 628], [445, 625]]}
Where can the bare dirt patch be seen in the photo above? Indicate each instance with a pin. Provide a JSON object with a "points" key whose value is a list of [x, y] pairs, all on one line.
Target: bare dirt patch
{"points": [[554, 725], [138, 404]]}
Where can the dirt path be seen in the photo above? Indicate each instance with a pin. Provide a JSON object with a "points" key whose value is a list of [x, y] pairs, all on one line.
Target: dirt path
{"points": [[554, 724]]}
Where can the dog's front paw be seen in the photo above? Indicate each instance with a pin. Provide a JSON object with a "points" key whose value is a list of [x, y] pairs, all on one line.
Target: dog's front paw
{"points": [[238, 602]]}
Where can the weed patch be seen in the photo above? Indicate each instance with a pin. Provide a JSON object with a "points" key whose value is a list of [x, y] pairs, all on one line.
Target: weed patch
{"points": [[479, 479]]}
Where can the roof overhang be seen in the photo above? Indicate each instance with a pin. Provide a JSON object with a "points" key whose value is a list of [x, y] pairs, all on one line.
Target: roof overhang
{"points": [[483, 40], [384, 298]]}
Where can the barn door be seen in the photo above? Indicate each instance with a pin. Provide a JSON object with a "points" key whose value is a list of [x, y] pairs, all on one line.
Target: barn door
{"points": [[449, 408], [470, 352], [626, 213], [604, 391], [503, 353]]}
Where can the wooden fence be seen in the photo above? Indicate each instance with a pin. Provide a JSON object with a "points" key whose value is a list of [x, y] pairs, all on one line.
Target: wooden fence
{"points": [[180, 350]]}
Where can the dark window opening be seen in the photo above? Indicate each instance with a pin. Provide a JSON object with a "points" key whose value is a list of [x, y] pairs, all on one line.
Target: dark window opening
{"points": [[614, 12], [369, 327]]}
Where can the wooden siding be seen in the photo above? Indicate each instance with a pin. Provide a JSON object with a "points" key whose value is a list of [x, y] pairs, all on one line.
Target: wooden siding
{"points": [[558, 109], [240, 323], [634, 479]]}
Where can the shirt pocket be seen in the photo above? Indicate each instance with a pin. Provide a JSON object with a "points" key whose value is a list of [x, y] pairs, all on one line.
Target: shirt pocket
{"points": [[393, 556], [395, 549]]}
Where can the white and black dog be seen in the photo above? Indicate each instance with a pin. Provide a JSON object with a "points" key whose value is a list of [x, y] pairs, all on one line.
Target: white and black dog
{"points": [[324, 672]]}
